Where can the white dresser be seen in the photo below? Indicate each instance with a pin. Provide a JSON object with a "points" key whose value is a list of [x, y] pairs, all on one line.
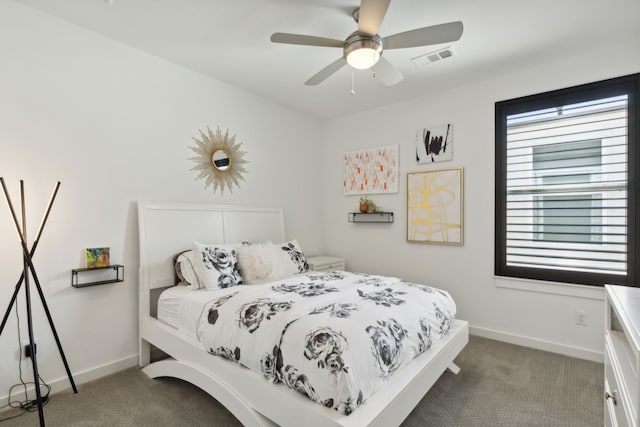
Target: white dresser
{"points": [[622, 356], [325, 263]]}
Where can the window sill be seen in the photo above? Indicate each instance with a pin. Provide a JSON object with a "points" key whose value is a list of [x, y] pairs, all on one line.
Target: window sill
{"points": [[555, 288]]}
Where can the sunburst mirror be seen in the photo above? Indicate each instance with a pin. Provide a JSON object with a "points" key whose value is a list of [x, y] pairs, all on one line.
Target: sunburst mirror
{"points": [[219, 160]]}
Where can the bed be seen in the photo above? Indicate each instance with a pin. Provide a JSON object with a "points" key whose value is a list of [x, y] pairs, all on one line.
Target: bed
{"points": [[168, 228]]}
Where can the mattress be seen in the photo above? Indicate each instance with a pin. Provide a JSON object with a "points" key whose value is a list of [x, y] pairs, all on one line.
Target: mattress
{"points": [[169, 304]]}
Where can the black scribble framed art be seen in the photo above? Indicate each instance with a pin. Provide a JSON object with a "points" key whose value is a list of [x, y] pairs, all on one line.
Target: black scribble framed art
{"points": [[434, 144]]}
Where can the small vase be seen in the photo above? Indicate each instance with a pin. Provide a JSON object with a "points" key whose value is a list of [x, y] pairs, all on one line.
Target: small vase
{"points": [[364, 207]]}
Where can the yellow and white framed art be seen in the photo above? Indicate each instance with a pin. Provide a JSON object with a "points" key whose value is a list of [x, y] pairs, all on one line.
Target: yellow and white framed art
{"points": [[435, 206]]}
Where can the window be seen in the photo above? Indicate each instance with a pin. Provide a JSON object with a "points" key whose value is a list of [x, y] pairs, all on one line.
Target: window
{"points": [[566, 184], [569, 217]]}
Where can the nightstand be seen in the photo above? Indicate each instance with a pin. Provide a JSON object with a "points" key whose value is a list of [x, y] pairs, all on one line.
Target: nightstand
{"points": [[325, 263]]}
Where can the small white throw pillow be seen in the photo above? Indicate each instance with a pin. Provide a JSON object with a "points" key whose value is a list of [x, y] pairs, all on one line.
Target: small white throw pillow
{"points": [[258, 263]]}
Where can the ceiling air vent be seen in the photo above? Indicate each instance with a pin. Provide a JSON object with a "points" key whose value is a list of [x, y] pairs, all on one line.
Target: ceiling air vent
{"points": [[428, 58]]}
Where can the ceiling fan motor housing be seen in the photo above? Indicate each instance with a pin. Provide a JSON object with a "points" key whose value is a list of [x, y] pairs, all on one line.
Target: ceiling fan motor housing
{"points": [[358, 41]]}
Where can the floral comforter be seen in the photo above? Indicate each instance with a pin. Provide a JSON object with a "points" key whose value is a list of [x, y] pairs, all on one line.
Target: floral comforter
{"points": [[336, 336]]}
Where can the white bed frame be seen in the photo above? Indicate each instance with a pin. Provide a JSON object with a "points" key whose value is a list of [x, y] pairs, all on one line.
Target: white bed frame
{"points": [[168, 228]]}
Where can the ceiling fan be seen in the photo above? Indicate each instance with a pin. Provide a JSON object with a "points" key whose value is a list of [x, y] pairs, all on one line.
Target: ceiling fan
{"points": [[363, 48]]}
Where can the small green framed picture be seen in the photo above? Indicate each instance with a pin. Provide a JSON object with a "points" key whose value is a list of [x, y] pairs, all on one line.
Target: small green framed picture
{"points": [[97, 257]]}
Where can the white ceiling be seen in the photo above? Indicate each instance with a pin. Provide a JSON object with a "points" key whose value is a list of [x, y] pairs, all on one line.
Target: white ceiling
{"points": [[229, 40]]}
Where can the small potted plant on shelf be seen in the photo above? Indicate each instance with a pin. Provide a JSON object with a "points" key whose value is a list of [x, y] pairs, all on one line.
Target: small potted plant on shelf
{"points": [[368, 206]]}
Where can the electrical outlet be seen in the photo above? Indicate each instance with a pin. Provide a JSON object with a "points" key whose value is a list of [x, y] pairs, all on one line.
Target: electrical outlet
{"points": [[581, 318], [26, 349]]}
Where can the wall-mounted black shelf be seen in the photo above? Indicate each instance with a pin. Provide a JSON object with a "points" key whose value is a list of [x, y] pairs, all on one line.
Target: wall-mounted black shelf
{"points": [[386, 217], [119, 269]]}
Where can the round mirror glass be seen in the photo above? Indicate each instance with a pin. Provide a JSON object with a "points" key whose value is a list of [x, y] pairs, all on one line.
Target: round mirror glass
{"points": [[221, 160]]}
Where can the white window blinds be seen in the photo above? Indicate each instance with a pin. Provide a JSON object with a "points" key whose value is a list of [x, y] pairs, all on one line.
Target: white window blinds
{"points": [[566, 187]]}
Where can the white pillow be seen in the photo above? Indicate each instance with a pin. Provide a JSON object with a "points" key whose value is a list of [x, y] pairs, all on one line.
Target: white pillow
{"points": [[216, 265], [256, 261], [185, 270], [261, 263], [291, 257]]}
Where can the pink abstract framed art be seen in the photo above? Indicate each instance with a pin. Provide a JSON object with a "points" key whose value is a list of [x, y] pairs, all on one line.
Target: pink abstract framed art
{"points": [[371, 171]]}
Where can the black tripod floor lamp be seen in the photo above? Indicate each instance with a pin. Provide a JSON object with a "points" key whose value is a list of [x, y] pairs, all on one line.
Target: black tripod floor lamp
{"points": [[28, 270]]}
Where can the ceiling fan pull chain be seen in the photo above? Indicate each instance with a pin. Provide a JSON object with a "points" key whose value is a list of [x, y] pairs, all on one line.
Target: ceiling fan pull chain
{"points": [[353, 82], [373, 69]]}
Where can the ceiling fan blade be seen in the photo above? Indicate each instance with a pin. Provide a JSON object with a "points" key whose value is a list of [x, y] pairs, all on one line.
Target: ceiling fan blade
{"points": [[387, 72], [301, 39], [371, 15], [327, 71], [435, 34]]}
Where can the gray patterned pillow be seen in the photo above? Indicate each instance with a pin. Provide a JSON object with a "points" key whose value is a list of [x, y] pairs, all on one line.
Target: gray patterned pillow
{"points": [[217, 265]]}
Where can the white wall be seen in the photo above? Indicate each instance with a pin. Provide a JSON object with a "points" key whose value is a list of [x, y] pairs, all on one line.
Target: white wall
{"points": [[543, 320], [114, 125]]}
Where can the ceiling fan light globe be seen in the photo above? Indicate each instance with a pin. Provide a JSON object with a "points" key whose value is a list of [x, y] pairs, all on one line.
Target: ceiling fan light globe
{"points": [[363, 58]]}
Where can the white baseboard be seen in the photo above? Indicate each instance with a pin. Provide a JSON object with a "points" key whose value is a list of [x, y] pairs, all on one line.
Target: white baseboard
{"points": [[87, 375], [100, 371], [538, 344]]}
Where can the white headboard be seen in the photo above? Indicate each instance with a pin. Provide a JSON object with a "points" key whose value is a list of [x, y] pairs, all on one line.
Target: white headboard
{"points": [[168, 228]]}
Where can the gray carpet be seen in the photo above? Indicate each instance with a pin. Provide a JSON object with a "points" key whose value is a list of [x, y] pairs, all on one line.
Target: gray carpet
{"points": [[499, 385]]}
